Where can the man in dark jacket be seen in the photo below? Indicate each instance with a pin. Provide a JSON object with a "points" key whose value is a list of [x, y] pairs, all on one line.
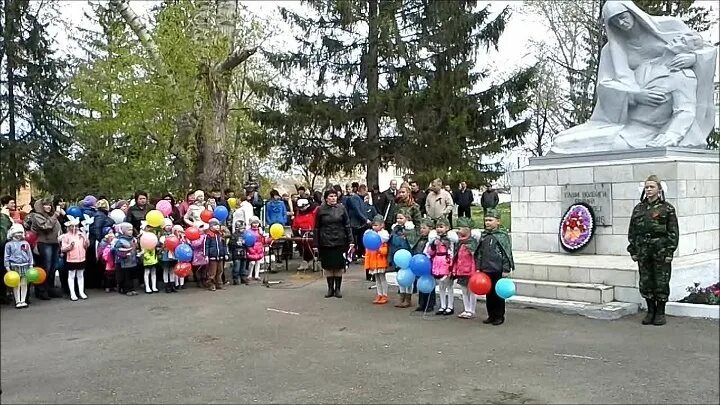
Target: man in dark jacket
{"points": [[419, 196], [489, 199], [138, 211], [463, 197], [359, 220]]}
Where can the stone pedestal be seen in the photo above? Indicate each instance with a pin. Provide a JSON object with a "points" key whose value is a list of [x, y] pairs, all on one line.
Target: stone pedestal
{"points": [[542, 191], [692, 177]]}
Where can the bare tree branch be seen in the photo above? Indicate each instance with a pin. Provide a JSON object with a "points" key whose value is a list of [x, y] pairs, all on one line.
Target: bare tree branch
{"points": [[234, 59]]}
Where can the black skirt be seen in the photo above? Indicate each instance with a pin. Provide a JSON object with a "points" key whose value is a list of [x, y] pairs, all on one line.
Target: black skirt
{"points": [[74, 266], [331, 258]]}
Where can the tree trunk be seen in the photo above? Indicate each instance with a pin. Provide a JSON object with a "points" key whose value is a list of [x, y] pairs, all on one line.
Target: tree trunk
{"points": [[371, 119], [12, 184], [214, 156]]}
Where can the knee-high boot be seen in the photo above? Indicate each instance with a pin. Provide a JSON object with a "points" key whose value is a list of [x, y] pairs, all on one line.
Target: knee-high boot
{"points": [[650, 317], [659, 313], [338, 283], [331, 287]]}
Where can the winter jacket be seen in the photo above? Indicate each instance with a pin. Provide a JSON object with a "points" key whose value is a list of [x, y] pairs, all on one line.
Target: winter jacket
{"points": [[418, 247], [441, 252], [305, 219], [378, 259], [18, 252], [489, 199], [237, 245], [369, 210], [5, 223], [125, 252], [198, 247], [332, 226], [166, 255], [107, 257], [215, 247], [401, 237], [98, 228], [150, 257], [420, 198], [276, 212], [413, 210], [464, 265], [243, 213], [256, 252], [193, 214], [75, 254], [45, 225], [137, 214], [494, 252], [438, 205], [354, 206], [463, 198]]}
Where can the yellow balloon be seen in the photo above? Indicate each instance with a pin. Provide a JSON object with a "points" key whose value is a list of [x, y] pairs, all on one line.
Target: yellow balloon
{"points": [[155, 218], [277, 231], [12, 279], [232, 202]]}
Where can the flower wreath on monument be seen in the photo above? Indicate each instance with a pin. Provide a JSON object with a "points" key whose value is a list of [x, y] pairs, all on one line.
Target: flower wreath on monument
{"points": [[577, 227]]}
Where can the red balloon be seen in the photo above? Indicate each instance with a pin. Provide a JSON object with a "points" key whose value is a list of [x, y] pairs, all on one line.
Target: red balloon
{"points": [[183, 269], [31, 238], [480, 284], [206, 216], [192, 233], [171, 242]]}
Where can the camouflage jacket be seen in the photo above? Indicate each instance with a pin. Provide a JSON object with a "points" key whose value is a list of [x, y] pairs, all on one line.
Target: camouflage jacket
{"points": [[653, 232]]}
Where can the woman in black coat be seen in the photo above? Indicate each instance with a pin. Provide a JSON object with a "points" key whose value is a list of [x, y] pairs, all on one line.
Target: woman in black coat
{"points": [[333, 238]]}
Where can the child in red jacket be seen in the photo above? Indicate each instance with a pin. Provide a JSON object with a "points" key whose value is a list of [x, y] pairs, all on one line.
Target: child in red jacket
{"points": [[302, 227]]}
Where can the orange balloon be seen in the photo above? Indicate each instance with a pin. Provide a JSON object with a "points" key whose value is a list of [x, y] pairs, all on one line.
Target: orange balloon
{"points": [[43, 276], [192, 233]]}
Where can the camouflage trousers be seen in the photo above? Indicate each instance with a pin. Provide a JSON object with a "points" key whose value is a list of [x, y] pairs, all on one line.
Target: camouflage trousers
{"points": [[654, 279]]}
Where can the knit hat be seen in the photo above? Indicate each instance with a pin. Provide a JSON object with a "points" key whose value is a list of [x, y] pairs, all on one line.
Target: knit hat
{"points": [[303, 202], [199, 193], [213, 221], [15, 229], [254, 220], [167, 222], [124, 226], [442, 221], [492, 213], [378, 219], [102, 204], [464, 222]]}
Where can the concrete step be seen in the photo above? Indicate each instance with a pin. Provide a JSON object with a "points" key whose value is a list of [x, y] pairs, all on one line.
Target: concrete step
{"points": [[607, 311], [583, 292]]}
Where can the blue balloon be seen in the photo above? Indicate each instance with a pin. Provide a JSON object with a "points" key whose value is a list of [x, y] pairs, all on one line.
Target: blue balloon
{"points": [[426, 284], [75, 211], [220, 213], [372, 240], [249, 238], [183, 253], [402, 258], [505, 288], [420, 265], [405, 278]]}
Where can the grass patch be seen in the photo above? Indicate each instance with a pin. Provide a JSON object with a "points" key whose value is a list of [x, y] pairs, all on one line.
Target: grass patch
{"points": [[504, 208]]}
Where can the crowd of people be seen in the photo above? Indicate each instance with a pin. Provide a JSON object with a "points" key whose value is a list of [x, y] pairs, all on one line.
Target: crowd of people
{"points": [[111, 246]]}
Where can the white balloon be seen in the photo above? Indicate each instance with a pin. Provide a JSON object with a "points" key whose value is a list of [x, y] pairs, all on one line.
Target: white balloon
{"points": [[117, 215], [384, 235], [453, 237], [432, 235]]}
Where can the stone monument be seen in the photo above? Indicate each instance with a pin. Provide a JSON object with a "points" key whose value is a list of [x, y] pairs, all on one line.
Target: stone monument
{"points": [[653, 114]]}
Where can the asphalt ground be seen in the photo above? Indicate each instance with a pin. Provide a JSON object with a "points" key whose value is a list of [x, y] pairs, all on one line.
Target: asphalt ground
{"points": [[288, 344]]}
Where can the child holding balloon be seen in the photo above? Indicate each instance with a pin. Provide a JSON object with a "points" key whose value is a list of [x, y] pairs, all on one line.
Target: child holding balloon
{"points": [[426, 301], [149, 244], [441, 251], [238, 253], [256, 249], [494, 258], [74, 244], [402, 237], [376, 260], [105, 253], [18, 260], [464, 265], [167, 257], [216, 253], [126, 258]]}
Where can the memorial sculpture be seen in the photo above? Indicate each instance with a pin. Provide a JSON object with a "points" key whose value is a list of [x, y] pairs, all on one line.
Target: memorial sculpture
{"points": [[654, 86]]}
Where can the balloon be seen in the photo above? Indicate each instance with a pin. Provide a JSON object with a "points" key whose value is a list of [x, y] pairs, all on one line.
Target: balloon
{"points": [[420, 265], [31, 238], [148, 241], [155, 218], [232, 203], [426, 284], [74, 211], [250, 238], [401, 258], [164, 206], [405, 278], [192, 233], [505, 288], [32, 275], [117, 215], [453, 236], [372, 240], [12, 279], [42, 276], [183, 269], [277, 231], [480, 284], [206, 216], [221, 213], [171, 242], [183, 253]]}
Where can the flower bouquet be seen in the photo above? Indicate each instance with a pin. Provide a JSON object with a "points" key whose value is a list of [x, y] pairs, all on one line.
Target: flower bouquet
{"points": [[577, 227]]}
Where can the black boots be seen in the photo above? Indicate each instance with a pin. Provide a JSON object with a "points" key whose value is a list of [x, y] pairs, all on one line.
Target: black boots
{"points": [[659, 313], [650, 317], [331, 287], [338, 283]]}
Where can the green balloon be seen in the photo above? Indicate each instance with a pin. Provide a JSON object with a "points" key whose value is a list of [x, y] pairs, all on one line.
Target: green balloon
{"points": [[32, 275]]}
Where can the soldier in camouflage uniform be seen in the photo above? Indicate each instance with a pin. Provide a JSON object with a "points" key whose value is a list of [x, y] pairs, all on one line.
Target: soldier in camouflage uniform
{"points": [[653, 236]]}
